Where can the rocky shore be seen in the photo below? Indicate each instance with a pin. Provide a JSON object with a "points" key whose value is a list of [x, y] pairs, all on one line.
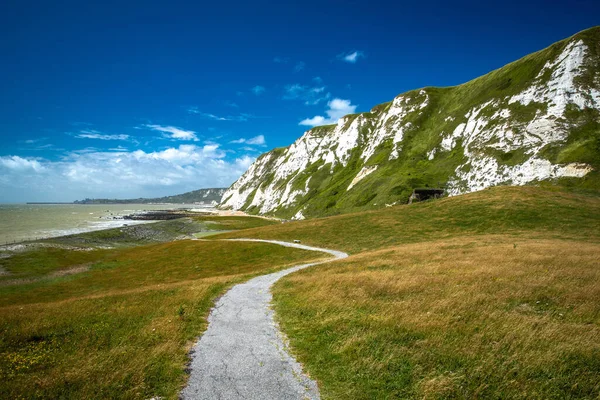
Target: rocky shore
{"points": [[160, 215]]}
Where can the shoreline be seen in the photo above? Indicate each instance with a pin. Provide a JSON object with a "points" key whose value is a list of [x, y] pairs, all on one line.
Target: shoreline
{"points": [[25, 223], [124, 219], [99, 218]]}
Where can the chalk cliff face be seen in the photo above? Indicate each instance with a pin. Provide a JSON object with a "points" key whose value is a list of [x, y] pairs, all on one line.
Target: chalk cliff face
{"points": [[536, 120]]}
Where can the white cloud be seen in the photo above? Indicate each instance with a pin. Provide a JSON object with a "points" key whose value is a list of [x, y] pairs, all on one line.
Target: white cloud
{"points": [[244, 162], [337, 108], [194, 110], [315, 121], [118, 173], [175, 133], [92, 134], [239, 118], [17, 163], [185, 153], [310, 95], [258, 90], [351, 57], [281, 60], [257, 140]]}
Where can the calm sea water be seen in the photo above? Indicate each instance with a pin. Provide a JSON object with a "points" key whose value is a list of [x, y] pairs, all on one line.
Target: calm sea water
{"points": [[20, 222]]}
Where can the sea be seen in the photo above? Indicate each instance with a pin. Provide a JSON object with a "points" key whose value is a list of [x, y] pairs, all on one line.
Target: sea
{"points": [[21, 222]]}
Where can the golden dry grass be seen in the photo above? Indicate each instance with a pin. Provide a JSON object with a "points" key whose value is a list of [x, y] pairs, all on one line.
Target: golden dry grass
{"points": [[471, 317]]}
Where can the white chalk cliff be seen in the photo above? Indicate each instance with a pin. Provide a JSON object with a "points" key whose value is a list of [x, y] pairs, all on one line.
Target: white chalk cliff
{"points": [[533, 120]]}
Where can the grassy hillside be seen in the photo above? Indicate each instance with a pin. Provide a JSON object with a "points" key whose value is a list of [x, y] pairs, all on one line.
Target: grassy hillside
{"points": [[474, 317], [517, 211], [491, 294], [116, 323], [487, 295], [421, 159]]}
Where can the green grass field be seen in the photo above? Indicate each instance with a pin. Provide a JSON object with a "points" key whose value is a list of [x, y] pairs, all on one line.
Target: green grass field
{"points": [[492, 294], [122, 326], [515, 211], [488, 295]]}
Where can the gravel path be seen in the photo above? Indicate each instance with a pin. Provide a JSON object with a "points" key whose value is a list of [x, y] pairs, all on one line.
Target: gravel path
{"points": [[242, 354]]}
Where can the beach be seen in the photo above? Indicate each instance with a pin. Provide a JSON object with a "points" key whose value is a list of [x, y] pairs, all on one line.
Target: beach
{"points": [[21, 222]]}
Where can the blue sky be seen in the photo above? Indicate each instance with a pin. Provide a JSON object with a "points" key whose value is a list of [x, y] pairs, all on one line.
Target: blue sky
{"points": [[128, 99]]}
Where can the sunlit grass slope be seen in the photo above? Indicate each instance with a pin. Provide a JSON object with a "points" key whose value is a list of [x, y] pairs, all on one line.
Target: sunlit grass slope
{"points": [[474, 317], [232, 222], [488, 295], [121, 329], [518, 211]]}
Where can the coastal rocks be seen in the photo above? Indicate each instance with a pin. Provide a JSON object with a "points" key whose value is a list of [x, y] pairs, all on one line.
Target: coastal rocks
{"points": [[161, 215]]}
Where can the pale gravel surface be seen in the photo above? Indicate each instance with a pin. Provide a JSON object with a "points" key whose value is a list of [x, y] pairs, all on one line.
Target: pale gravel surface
{"points": [[242, 354]]}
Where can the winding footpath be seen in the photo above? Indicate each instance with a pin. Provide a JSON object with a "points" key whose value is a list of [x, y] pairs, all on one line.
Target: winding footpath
{"points": [[242, 354]]}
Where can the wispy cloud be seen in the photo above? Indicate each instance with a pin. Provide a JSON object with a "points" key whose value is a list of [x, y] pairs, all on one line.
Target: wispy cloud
{"points": [[258, 90], [310, 95], [242, 117], [299, 66], [46, 147], [34, 141], [351, 57], [92, 134], [194, 110], [336, 109], [257, 140], [281, 60], [173, 132]]}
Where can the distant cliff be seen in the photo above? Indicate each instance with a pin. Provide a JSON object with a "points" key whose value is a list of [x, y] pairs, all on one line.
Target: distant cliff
{"points": [[536, 120], [204, 196]]}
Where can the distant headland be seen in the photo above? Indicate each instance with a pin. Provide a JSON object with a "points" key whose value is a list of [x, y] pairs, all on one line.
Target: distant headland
{"points": [[203, 196]]}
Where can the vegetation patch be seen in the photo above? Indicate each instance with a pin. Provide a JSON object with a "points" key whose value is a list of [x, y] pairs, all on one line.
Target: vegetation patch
{"points": [[491, 294], [139, 309], [484, 316], [71, 314]]}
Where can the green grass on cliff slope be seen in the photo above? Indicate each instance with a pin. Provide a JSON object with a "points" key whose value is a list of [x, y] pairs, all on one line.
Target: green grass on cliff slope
{"points": [[487, 295], [394, 180], [508, 210]]}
